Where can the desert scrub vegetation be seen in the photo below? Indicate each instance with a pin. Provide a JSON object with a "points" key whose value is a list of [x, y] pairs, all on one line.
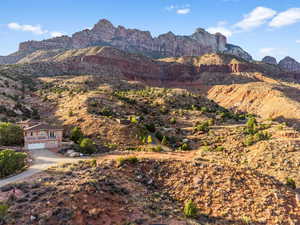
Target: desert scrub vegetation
{"points": [[290, 182], [129, 159], [3, 212], [87, 146], [99, 108], [202, 126], [11, 162], [255, 132], [10, 134], [190, 209]]}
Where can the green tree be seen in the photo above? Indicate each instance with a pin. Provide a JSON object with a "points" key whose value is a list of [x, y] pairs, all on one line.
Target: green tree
{"points": [[10, 134], [87, 146], [11, 162], [76, 135]]}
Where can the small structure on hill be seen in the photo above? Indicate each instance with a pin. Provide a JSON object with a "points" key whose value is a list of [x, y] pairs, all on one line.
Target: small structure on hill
{"points": [[41, 135]]}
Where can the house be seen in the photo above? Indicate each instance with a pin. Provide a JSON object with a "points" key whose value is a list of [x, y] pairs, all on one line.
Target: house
{"points": [[41, 136]]}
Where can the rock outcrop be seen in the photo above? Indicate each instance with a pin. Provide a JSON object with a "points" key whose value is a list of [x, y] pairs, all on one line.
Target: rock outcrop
{"points": [[237, 51], [289, 64], [269, 60], [135, 41]]}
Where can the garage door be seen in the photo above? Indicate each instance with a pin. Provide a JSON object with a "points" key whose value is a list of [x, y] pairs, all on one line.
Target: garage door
{"points": [[36, 146]]}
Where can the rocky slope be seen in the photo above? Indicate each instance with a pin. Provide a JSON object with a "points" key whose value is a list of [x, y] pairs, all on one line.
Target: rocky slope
{"points": [[132, 40], [15, 89], [153, 192]]}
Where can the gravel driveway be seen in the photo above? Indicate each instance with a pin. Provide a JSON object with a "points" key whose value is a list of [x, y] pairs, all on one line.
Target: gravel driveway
{"points": [[43, 159]]}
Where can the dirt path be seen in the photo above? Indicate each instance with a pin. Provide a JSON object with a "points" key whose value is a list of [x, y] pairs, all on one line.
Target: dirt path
{"points": [[43, 159]]}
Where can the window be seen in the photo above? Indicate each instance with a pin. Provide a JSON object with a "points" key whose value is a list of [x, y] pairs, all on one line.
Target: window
{"points": [[52, 134]]}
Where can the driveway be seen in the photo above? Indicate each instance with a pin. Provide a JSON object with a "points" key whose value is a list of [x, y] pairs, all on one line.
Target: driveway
{"points": [[43, 159]]}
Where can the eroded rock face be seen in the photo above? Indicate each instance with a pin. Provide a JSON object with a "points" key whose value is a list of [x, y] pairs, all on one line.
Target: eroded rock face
{"points": [[237, 51], [269, 60], [133, 40], [289, 64]]}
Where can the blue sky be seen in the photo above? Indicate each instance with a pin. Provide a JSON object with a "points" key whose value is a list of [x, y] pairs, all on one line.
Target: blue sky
{"points": [[262, 27]]}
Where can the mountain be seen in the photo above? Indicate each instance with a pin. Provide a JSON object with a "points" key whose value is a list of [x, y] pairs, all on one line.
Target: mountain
{"points": [[132, 40], [269, 60], [290, 65]]}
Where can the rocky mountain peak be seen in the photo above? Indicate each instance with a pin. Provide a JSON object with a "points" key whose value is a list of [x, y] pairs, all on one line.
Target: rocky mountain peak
{"points": [[104, 33], [289, 64], [269, 60]]}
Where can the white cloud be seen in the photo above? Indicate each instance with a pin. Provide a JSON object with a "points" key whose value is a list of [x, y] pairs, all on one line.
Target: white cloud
{"points": [[223, 30], [256, 18], [30, 28], [298, 41], [285, 18], [266, 51], [38, 30], [56, 34], [180, 9], [183, 11], [276, 52]]}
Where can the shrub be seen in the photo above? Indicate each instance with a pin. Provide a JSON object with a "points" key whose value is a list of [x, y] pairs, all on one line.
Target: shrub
{"points": [[158, 135], [164, 110], [156, 149], [149, 139], [10, 134], [164, 141], [71, 113], [11, 162], [204, 127], [172, 120], [185, 147], [76, 135], [130, 159], [253, 138], [219, 149], [3, 211], [150, 127], [251, 126], [87, 146], [190, 209], [291, 183], [93, 163]]}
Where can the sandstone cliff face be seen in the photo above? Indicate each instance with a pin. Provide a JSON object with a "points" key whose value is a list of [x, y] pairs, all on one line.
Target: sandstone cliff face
{"points": [[289, 64], [133, 40], [269, 60]]}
